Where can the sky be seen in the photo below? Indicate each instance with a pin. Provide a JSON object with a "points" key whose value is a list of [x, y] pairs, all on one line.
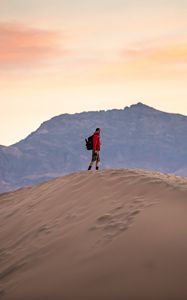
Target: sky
{"points": [[60, 56]]}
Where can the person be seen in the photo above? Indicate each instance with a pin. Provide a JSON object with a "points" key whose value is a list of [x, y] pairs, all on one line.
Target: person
{"points": [[96, 150]]}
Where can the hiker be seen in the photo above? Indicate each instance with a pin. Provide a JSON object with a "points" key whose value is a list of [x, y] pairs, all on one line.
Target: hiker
{"points": [[95, 150]]}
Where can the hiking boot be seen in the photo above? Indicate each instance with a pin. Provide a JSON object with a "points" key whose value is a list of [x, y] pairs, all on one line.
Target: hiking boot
{"points": [[89, 168], [97, 168]]}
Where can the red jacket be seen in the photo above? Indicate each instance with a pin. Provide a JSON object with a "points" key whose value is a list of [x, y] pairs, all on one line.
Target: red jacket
{"points": [[96, 142]]}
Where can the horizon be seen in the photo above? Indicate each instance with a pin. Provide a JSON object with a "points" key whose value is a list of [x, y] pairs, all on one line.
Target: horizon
{"points": [[67, 57], [92, 111]]}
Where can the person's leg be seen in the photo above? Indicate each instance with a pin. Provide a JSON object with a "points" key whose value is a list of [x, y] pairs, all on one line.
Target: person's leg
{"points": [[97, 161], [90, 165], [92, 161]]}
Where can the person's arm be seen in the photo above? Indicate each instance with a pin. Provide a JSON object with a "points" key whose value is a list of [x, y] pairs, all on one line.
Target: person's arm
{"points": [[94, 143], [99, 143]]}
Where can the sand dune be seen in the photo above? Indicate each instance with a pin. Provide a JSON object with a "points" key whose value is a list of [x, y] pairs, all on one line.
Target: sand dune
{"points": [[110, 235]]}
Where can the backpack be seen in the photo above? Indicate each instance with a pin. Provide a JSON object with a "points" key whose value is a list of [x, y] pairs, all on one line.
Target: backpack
{"points": [[89, 143]]}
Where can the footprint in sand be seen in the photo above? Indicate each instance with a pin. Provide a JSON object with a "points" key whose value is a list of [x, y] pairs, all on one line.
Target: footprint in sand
{"points": [[119, 218]]}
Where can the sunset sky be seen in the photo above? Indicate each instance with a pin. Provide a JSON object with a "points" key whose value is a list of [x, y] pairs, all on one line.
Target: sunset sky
{"points": [[70, 56]]}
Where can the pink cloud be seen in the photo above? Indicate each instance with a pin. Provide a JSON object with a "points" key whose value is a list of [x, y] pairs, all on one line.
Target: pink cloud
{"points": [[20, 45]]}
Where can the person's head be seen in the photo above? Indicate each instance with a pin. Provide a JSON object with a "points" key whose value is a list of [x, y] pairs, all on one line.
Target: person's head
{"points": [[98, 130]]}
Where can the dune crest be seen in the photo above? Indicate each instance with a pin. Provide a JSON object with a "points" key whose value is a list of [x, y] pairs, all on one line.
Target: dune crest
{"points": [[112, 234]]}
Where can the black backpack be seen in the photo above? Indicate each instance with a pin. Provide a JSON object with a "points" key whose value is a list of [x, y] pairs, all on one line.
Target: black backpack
{"points": [[89, 143]]}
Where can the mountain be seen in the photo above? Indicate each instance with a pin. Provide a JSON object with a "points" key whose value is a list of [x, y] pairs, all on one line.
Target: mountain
{"points": [[111, 235], [134, 137]]}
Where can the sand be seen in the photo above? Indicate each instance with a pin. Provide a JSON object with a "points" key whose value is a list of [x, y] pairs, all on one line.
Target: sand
{"points": [[107, 235]]}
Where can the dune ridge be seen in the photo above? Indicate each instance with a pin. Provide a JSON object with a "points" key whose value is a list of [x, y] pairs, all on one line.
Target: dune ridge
{"points": [[112, 234]]}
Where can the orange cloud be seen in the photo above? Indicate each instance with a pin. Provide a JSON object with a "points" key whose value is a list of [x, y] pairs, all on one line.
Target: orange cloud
{"points": [[166, 61], [20, 45], [169, 54], [172, 54]]}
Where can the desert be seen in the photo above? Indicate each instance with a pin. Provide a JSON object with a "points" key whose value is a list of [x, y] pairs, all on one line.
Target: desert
{"points": [[108, 235]]}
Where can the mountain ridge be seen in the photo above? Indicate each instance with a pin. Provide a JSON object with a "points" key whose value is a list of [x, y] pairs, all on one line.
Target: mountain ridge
{"points": [[138, 136], [139, 106]]}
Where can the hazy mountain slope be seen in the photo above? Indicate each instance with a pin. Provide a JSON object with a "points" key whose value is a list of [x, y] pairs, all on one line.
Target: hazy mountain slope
{"points": [[138, 136]]}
